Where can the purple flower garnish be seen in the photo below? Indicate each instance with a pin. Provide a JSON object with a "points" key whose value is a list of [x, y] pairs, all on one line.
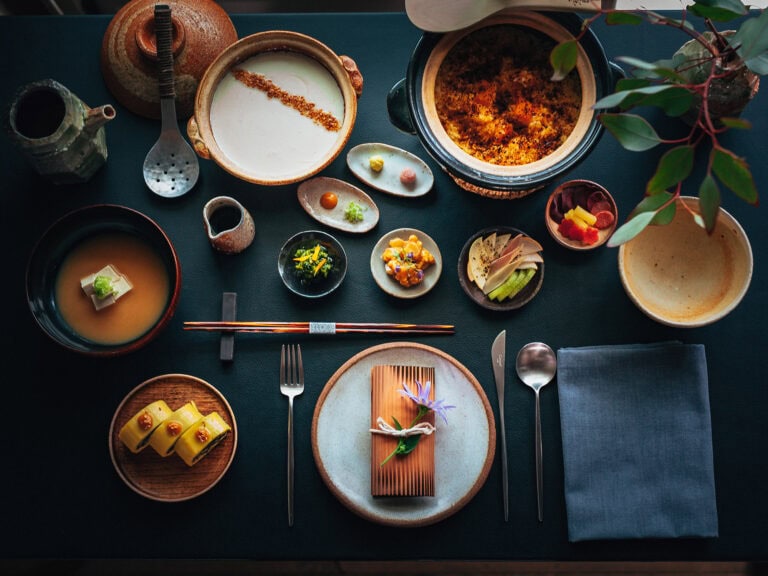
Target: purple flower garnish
{"points": [[422, 399]]}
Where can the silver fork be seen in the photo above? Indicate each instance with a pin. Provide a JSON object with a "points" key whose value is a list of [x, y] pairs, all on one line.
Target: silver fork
{"points": [[291, 385]]}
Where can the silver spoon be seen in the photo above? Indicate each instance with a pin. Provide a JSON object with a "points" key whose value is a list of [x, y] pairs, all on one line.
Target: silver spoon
{"points": [[171, 167], [536, 366]]}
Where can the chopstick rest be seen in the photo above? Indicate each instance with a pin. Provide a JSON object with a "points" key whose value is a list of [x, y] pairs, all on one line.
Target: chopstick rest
{"points": [[228, 314]]}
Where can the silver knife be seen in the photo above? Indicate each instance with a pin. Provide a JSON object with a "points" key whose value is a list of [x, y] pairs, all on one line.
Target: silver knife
{"points": [[497, 358]]}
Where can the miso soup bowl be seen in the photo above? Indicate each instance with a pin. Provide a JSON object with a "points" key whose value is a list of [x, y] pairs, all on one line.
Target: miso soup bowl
{"points": [[275, 107], [412, 108], [55, 246]]}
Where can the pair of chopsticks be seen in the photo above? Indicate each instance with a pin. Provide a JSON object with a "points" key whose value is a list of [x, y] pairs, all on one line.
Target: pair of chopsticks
{"points": [[319, 327]]}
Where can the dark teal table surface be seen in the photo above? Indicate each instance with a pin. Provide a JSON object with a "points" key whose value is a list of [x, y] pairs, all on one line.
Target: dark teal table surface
{"points": [[61, 497]]}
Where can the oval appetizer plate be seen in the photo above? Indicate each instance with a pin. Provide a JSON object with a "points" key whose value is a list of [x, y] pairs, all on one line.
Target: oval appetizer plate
{"points": [[392, 286], [310, 193], [169, 479], [494, 241], [341, 438], [394, 161]]}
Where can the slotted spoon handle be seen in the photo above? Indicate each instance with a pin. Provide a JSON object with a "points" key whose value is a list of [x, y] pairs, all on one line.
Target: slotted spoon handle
{"points": [[164, 41]]}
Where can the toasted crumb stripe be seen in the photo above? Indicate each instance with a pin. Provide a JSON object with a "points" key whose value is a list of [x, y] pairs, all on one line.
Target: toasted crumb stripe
{"points": [[495, 99], [298, 103]]}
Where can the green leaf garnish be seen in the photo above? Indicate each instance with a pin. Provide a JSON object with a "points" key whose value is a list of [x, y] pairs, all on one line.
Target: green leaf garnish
{"points": [[102, 287]]}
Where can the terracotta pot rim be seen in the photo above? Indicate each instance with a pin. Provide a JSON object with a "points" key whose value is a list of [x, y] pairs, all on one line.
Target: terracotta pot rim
{"points": [[597, 75], [247, 47]]}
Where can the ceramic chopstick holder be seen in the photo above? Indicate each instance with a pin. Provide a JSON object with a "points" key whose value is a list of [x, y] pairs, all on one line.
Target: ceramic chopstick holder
{"points": [[229, 226]]}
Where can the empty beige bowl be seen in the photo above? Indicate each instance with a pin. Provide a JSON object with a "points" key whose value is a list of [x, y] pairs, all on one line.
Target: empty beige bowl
{"points": [[683, 277]]}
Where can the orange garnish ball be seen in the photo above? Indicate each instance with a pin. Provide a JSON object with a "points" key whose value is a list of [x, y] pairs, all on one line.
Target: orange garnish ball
{"points": [[329, 200]]}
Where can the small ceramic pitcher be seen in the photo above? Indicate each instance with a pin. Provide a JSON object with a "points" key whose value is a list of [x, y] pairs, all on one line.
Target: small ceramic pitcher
{"points": [[61, 137], [229, 225]]}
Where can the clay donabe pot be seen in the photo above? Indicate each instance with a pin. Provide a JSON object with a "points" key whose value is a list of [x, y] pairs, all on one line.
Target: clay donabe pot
{"points": [[201, 30], [245, 110], [411, 106]]}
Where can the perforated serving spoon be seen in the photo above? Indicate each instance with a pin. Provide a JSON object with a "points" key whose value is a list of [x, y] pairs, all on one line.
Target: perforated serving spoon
{"points": [[536, 366], [171, 167], [450, 15]]}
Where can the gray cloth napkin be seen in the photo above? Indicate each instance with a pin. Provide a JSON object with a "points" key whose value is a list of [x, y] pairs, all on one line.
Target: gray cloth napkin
{"points": [[637, 441]]}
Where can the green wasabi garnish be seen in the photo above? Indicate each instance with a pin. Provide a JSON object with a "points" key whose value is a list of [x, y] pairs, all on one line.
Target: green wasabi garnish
{"points": [[102, 287], [353, 212]]}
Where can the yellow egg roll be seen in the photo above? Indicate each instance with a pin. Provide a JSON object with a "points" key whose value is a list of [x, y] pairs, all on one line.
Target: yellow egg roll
{"points": [[164, 438], [135, 434], [201, 438]]}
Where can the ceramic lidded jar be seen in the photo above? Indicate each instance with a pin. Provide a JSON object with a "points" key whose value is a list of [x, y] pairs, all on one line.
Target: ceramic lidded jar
{"points": [[201, 30]]}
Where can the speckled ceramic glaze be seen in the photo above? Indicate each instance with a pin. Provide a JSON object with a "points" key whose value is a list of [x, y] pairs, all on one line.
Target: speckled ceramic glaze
{"points": [[681, 276], [230, 123], [230, 240], [201, 31], [464, 448], [62, 138]]}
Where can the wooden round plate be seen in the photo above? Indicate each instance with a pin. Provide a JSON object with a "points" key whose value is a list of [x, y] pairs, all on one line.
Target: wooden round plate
{"points": [[169, 479], [341, 441]]}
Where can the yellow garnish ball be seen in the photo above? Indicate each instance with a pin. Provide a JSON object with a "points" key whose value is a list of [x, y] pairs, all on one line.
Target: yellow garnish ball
{"points": [[376, 163]]}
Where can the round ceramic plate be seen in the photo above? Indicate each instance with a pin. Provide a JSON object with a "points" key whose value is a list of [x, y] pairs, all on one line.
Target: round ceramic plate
{"points": [[470, 288], [392, 286], [169, 479], [310, 192], [395, 161], [341, 441]]}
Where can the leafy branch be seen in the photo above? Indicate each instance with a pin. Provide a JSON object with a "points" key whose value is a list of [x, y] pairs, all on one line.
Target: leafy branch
{"points": [[710, 68]]}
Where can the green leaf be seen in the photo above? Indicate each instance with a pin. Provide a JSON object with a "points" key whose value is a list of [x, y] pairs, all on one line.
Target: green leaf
{"points": [[675, 101], [615, 99], [709, 202], [737, 123], [734, 173], [633, 132], [409, 443], [660, 69], [630, 229], [661, 204], [751, 42], [719, 10], [621, 17], [758, 64], [563, 59], [674, 167], [397, 424], [657, 18], [631, 84]]}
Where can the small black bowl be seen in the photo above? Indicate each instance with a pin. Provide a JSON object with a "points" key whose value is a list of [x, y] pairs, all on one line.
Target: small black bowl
{"points": [[320, 286], [56, 244]]}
